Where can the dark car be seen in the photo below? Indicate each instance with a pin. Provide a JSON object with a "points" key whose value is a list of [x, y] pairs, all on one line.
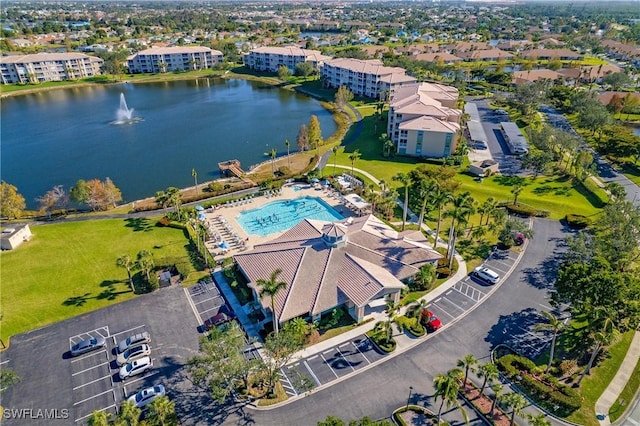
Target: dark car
{"points": [[217, 320], [88, 345], [430, 320]]}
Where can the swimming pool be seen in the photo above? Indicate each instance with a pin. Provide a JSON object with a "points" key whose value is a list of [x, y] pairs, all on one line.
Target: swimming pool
{"points": [[282, 215]]}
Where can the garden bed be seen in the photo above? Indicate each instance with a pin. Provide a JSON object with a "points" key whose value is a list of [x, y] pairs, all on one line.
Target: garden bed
{"points": [[483, 404]]}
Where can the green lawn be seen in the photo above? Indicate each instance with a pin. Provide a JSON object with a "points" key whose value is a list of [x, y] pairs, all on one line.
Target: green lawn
{"points": [[593, 385], [70, 268]]}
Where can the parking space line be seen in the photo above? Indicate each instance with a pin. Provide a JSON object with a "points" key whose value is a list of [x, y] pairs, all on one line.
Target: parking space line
{"points": [[504, 263], [498, 269], [284, 377], [143, 377], [91, 382], [4, 362], [444, 311], [89, 355], [312, 357], [455, 304], [202, 312], [90, 368], [344, 358], [91, 397], [193, 307], [206, 300], [356, 346], [325, 361], [128, 331], [90, 414], [311, 372]]}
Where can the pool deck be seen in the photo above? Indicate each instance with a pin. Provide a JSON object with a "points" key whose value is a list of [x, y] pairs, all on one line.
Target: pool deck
{"points": [[223, 222]]}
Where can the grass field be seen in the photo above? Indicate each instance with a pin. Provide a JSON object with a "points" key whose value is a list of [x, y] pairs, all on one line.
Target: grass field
{"points": [[70, 268]]}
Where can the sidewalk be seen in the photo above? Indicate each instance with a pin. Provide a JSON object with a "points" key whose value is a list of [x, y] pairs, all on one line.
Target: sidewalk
{"points": [[612, 392]]}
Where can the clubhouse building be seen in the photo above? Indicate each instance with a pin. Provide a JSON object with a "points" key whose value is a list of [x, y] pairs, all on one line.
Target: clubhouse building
{"points": [[357, 263]]}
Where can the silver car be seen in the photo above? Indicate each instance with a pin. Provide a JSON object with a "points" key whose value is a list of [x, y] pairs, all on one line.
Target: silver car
{"points": [[133, 353], [88, 345], [147, 396], [136, 339], [138, 366]]}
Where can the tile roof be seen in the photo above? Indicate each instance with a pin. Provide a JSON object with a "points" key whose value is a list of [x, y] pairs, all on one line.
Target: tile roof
{"points": [[319, 277], [430, 124]]}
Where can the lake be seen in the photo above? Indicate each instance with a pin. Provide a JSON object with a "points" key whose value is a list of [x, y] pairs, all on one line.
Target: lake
{"points": [[60, 136]]}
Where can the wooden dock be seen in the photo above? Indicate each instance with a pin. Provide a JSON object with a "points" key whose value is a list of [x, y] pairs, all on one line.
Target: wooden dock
{"points": [[232, 168]]}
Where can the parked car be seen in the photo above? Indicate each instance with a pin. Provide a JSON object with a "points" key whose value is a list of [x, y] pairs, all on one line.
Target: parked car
{"points": [[486, 274], [138, 366], [134, 340], [147, 396], [480, 145], [217, 320], [133, 353], [88, 345], [430, 320], [501, 112]]}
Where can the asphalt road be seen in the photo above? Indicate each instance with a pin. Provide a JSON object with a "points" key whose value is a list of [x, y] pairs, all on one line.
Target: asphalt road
{"points": [[383, 388], [71, 388]]}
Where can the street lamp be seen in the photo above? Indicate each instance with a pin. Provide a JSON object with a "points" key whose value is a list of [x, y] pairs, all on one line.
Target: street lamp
{"points": [[409, 399]]}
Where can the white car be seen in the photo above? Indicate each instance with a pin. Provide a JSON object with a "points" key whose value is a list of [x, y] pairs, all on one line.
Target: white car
{"points": [[132, 354], [136, 339], [486, 274], [147, 396], [138, 366]]}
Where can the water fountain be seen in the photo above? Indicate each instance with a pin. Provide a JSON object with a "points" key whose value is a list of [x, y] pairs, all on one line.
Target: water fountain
{"points": [[124, 115]]}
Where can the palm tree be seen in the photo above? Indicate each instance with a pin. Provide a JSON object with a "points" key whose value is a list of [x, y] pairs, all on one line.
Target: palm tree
{"points": [[273, 154], [416, 308], [497, 396], [145, 263], [489, 373], [404, 179], [194, 174], [516, 402], [486, 208], [517, 189], [462, 208], [288, 145], [425, 275], [439, 198], [555, 325], [468, 363], [539, 420], [162, 412], [129, 414], [383, 186], [424, 188], [271, 288], [447, 387], [603, 332], [127, 263], [335, 150], [100, 418], [354, 156], [392, 308]]}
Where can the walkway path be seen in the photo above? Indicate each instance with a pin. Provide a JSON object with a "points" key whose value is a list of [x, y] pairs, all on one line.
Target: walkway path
{"points": [[362, 172], [612, 392], [357, 130]]}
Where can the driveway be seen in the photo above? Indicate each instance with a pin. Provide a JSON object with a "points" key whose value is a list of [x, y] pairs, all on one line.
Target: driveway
{"points": [[72, 388]]}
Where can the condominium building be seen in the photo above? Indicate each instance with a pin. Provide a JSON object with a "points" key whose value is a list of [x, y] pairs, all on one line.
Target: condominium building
{"points": [[270, 58], [42, 67], [174, 58], [422, 120], [368, 78]]}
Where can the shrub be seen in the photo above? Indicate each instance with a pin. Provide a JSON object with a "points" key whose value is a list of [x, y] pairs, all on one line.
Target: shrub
{"points": [[577, 221], [412, 325], [443, 271], [164, 221]]}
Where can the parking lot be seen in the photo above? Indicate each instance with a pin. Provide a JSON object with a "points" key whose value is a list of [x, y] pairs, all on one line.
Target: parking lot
{"points": [[327, 366], [206, 299], [76, 386]]}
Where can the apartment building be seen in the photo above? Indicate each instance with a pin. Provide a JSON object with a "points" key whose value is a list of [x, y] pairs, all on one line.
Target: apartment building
{"points": [[42, 67], [369, 78], [422, 120], [270, 58], [174, 58]]}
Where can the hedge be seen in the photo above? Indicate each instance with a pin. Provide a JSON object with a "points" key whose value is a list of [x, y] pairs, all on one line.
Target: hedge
{"points": [[399, 420], [412, 325], [577, 221], [551, 396]]}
